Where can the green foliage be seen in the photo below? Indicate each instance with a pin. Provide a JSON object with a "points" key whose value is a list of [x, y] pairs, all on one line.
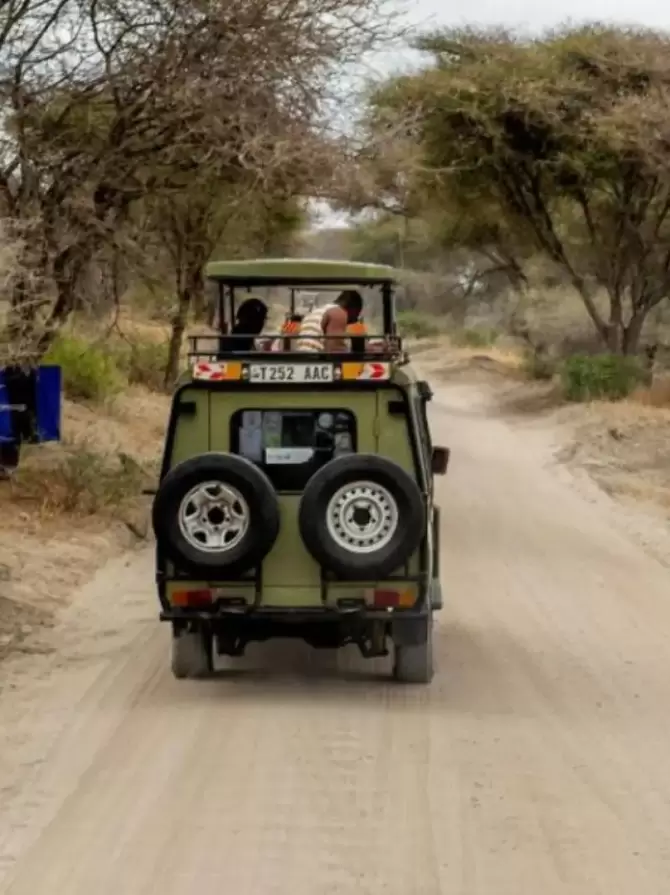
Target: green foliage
{"points": [[377, 241], [476, 337], [156, 300], [601, 376], [83, 482], [90, 373], [143, 362], [551, 145], [415, 325]]}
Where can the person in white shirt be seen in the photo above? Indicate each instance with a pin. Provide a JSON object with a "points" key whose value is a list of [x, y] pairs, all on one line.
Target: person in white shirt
{"points": [[325, 328]]}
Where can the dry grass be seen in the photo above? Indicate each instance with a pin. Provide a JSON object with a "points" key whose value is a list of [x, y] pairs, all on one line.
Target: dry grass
{"points": [[656, 395], [624, 445], [440, 357], [95, 476], [74, 505]]}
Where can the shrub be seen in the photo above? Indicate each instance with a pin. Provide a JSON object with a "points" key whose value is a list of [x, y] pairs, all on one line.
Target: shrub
{"points": [[476, 337], [415, 325], [155, 300], [144, 362], [592, 377], [89, 372], [82, 482], [537, 365]]}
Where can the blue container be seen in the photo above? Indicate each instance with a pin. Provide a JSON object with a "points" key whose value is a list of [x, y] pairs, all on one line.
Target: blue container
{"points": [[30, 405]]}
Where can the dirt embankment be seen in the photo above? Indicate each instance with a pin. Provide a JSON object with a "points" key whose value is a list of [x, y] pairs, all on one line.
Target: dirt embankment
{"points": [[624, 446], [71, 507], [535, 762]]}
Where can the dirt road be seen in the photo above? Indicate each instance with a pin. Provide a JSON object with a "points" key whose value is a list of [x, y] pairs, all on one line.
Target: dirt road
{"points": [[536, 763]]}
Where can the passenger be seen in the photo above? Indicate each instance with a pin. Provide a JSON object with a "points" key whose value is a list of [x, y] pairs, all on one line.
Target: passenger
{"points": [[290, 327], [249, 322], [325, 328], [358, 331]]}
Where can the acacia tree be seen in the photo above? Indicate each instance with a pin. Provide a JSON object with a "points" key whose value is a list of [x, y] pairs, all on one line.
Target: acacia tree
{"points": [[559, 144], [402, 219], [233, 220], [108, 102]]}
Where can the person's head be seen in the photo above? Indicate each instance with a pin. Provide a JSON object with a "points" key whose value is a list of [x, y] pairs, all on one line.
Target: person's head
{"points": [[352, 302], [251, 316]]}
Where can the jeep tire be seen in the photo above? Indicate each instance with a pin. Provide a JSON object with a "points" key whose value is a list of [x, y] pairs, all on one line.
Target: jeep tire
{"points": [[362, 516], [215, 515]]}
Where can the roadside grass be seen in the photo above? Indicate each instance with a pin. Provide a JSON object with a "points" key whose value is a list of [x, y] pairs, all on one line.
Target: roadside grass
{"points": [[100, 370], [80, 482], [418, 325]]}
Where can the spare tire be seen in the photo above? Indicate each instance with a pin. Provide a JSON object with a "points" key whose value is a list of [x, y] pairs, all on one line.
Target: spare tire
{"points": [[362, 516], [215, 515]]}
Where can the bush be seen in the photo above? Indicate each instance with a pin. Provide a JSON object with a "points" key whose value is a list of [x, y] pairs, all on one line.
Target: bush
{"points": [[476, 337], [144, 363], [156, 300], [593, 377], [83, 482], [415, 325], [89, 373], [537, 365]]}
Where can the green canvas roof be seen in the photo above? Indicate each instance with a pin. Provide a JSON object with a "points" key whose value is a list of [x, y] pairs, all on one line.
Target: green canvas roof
{"points": [[299, 271]]}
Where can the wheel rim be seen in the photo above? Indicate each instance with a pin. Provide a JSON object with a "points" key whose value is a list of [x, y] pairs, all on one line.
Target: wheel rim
{"points": [[213, 517], [362, 517]]}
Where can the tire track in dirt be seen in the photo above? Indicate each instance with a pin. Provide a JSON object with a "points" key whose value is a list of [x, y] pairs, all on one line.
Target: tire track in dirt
{"points": [[535, 762]]}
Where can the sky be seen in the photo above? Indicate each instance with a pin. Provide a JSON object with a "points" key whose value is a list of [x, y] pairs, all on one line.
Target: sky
{"points": [[536, 15], [530, 16]]}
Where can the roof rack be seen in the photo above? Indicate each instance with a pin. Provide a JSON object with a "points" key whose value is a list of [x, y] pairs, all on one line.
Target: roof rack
{"points": [[375, 362], [300, 272]]}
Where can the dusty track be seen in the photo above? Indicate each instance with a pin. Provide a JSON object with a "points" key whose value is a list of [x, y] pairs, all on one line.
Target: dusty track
{"points": [[536, 763]]}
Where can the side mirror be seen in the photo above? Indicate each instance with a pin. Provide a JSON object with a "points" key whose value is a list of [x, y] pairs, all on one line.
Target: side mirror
{"points": [[439, 460]]}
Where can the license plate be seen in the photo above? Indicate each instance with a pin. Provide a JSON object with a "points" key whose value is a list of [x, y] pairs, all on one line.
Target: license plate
{"points": [[291, 373]]}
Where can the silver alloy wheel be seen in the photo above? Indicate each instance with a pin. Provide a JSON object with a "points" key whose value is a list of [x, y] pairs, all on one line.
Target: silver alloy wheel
{"points": [[362, 517], [213, 517]]}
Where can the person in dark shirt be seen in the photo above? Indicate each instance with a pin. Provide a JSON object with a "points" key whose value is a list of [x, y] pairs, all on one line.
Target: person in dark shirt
{"points": [[249, 322]]}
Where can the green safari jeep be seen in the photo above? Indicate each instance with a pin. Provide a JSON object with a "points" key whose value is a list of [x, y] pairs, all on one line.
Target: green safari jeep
{"points": [[296, 491]]}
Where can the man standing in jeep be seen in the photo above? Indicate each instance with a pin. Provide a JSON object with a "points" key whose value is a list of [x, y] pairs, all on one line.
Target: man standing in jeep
{"points": [[325, 328]]}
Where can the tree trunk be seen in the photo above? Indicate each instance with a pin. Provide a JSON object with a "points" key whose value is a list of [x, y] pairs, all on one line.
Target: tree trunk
{"points": [[624, 338], [66, 291], [190, 288], [212, 312], [632, 333], [198, 296], [199, 306], [22, 321], [613, 338], [179, 322]]}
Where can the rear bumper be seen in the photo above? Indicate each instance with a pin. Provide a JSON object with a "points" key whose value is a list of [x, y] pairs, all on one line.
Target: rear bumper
{"points": [[322, 615]]}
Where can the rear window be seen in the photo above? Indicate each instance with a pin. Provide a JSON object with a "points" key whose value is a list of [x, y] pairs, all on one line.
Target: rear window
{"points": [[290, 445]]}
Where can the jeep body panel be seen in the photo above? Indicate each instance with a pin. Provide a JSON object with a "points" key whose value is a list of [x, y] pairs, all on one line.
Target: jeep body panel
{"points": [[317, 420]]}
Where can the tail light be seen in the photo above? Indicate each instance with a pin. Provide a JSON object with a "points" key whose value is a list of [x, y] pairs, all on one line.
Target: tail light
{"points": [[191, 599], [391, 599]]}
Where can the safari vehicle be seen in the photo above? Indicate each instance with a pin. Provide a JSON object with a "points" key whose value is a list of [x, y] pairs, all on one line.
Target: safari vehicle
{"points": [[296, 491]]}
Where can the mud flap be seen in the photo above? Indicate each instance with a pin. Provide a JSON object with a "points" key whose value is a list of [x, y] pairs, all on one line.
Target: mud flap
{"points": [[435, 591], [411, 631]]}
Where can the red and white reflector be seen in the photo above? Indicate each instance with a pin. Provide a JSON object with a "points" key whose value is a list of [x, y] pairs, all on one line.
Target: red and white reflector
{"points": [[375, 370], [217, 372]]}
